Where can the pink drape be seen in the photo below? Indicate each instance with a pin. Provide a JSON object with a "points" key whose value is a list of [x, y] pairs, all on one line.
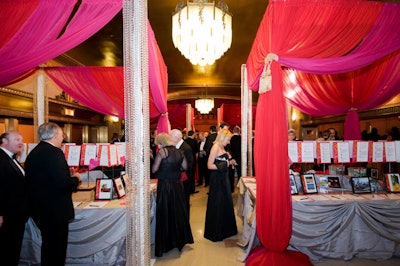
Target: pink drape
{"points": [[38, 34], [323, 37], [102, 88]]}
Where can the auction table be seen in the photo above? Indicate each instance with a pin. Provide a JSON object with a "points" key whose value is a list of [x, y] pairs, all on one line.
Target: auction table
{"points": [[96, 236], [332, 225]]}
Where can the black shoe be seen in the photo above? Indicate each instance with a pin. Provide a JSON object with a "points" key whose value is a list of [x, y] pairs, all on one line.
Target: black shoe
{"points": [[206, 185], [195, 192]]}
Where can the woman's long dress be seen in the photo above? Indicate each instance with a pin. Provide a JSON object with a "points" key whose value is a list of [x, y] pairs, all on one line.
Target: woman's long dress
{"points": [[220, 215], [172, 220]]}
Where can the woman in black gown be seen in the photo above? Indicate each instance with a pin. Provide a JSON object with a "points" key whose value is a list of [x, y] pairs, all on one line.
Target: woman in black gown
{"points": [[172, 220], [220, 215]]}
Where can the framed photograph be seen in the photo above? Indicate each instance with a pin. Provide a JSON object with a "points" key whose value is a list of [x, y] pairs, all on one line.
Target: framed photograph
{"points": [[360, 185], [119, 186], [293, 186], [334, 182], [309, 184], [374, 173], [104, 189], [393, 182]]}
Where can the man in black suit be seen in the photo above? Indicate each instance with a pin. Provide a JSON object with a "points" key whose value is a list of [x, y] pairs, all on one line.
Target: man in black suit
{"points": [[50, 186], [201, 159], [235, 149], [195, 149], [177, 139], [13, 199]]}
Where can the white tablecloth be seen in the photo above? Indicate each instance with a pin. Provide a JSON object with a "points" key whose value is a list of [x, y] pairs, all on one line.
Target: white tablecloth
{"points": [[96, 236], [338, 226]]}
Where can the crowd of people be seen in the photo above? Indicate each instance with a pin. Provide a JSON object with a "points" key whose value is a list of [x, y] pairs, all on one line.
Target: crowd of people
{"points": [[214, 158], [43, 188]]}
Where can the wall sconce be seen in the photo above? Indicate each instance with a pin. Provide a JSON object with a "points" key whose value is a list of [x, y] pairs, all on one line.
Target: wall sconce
{"points": [[114, 119], [294, 116], [68, 111]]}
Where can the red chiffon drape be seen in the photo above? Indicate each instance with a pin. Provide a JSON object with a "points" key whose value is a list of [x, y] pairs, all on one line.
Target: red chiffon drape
{"points": [[323, 37]]}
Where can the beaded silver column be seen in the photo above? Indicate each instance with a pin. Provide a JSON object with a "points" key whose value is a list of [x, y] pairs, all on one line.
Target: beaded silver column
{"points": [[136, 99], [247, 125]]}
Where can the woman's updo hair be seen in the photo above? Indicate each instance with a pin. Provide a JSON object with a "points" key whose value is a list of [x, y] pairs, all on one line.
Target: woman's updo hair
{"points": [[163, 139]]}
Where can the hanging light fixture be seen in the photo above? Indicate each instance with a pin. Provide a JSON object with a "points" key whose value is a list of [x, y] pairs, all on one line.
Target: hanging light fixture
{"points": [[204, 105], [202, 31]]}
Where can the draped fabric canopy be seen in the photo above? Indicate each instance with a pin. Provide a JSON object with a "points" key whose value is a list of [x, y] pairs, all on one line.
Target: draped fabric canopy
{"points": [[349, 48], [39, 30], [34, 31], [102, 88]]}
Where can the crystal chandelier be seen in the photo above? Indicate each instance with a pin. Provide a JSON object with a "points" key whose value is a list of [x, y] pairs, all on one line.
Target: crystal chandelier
{"points": [[205, 105], [202, 31]]}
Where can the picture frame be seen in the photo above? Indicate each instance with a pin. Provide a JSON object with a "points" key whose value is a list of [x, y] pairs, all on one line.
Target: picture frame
{"points": [[104, 189], [293, 186], [119, 187], [393, 182], [309, 183], [360, 185], [374, 173], [334, 182]]}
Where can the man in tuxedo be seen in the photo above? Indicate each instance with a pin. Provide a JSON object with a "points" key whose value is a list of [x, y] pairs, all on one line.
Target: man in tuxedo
{"points": [[201, 159], [13, 198], [180, 144], [50, 187], [195, 149]]}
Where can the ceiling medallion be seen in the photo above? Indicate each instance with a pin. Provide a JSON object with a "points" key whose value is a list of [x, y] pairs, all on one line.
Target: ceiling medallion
{"points": [[202, 31]]}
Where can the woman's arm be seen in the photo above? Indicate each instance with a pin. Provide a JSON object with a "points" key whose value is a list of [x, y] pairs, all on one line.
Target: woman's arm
{"points": [[162, 153], [184, 164], [211, 158]]}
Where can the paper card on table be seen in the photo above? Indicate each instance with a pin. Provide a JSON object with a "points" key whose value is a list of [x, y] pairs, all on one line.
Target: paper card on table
{"points": [[72, 154], [336, 197], [377, 152], [352, 197], [307, 151], [113, 155], [361, 150], [341, 152], [301, 198], [31, 146], [393, 196], [121, 152], [77, 203], [88, 152], [96, 204], [323, 152], [397, 146], [23, 154], [351, 146], [373, 196], [390, 151], [103, 155], [293, 151], [319, 197]]}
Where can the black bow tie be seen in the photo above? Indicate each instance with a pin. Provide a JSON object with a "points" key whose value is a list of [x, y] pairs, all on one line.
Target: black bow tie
{"points": [[14, 156]]}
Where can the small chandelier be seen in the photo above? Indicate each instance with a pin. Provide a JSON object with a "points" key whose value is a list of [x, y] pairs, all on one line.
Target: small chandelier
{"points": [[205, 105], [202, 31]]}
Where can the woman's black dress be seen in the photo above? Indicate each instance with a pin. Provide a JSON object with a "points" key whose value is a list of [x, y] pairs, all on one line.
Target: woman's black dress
{"points": [[172, 221], [220, 215]]}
